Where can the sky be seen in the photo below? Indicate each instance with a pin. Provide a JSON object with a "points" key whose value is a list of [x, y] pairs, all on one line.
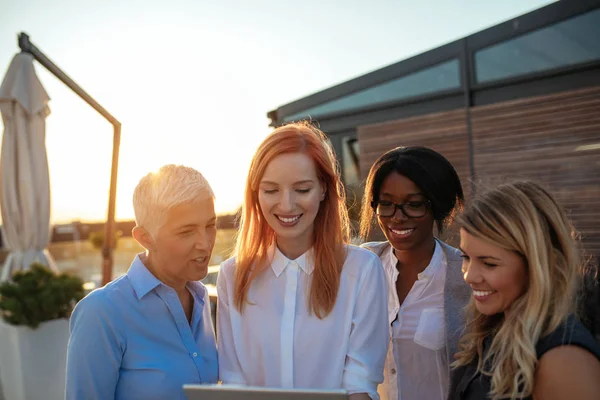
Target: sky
{"points": [[191, 81]]}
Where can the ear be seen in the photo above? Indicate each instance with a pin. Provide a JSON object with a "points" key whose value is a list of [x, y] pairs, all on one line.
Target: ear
{"points": [[323, 191], [143, 237]]}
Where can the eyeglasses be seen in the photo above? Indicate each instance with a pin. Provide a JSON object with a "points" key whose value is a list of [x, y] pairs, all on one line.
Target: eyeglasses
{"points": [[412, 209]]}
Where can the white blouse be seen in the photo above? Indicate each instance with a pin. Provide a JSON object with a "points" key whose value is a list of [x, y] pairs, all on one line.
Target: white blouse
{"points": [[417, 365], [279, 342]]}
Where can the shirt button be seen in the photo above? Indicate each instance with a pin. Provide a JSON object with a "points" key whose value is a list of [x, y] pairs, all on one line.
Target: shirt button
{"points": [[195, 354], [393, 371]]}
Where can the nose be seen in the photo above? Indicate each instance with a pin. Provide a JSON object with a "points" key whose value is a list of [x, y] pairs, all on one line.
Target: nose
{"points": [[399, 215], [286, 202], [203, 241], [471, 273]]}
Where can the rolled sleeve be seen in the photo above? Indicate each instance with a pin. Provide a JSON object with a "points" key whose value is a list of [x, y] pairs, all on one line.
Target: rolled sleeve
{"points": [[230, 371], [369, 337], [94, 352]]}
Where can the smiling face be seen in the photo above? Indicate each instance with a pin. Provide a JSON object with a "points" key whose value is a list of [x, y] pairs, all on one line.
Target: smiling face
{"points": [[497, 276], [402, 232], [180, 250], [290, 195]]}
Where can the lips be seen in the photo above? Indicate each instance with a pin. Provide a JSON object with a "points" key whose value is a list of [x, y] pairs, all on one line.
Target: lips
{"points": [[288, 219], [481, 295], [201, 260], [401, 233]]}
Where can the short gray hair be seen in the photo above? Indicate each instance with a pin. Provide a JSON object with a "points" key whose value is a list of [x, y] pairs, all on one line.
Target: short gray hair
{"points": [[159, 192]]}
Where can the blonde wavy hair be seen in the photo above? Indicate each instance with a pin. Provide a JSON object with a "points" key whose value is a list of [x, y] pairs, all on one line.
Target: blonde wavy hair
{"points": [[521, 217]]}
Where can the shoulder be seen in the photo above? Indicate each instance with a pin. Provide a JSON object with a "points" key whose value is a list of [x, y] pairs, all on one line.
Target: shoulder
{"points": [[104, 305], [571, 332], [356, 254], [115, 292], [361, 262], [228, 266], [376, 247], [452, 253], [226, 271], [567, 371]]}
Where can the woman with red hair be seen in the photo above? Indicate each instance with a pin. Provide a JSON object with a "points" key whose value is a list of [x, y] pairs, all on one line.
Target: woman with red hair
{"points": [[298, 306]]}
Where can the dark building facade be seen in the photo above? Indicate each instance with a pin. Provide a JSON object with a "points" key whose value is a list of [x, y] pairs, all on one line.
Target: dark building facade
{"points": [[518, 100]]}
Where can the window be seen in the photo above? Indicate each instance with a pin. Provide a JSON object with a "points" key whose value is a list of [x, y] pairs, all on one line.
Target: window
{"points": [[350, 162], [440, 77], [573, 41]]}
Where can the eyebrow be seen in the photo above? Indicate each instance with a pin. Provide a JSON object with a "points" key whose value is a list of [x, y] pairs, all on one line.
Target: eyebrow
{"points": [[295, 183], [480, 257], [408, 195], [187, 226]]}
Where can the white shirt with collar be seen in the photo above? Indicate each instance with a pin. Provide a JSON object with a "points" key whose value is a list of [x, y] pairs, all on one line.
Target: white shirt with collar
{"points": [[417, 365], [278, 342]]}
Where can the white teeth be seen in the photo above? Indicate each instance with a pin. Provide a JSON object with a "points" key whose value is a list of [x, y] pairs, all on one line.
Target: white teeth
{"points": [[402, 232], [481, 293], [289, 220], [200, 259]]}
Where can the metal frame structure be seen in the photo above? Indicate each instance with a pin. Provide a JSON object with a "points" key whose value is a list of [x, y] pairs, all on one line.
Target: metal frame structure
{"points": [[107, 252]]}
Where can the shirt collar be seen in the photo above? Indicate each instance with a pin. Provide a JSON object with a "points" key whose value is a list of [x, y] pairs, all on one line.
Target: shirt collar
{"points": [[143, 281], [141, 278], [280, 261], [430, 270]]}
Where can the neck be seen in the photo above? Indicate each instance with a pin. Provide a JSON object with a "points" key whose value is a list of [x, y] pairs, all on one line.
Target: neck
{"points": [[416, 259], [155, 269], [293, 248]]}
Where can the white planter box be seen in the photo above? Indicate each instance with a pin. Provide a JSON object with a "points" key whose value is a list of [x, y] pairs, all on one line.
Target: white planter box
{"points": [[33, 361]]}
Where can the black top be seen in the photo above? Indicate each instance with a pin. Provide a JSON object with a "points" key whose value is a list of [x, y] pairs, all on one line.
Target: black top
{"points": [[467, 384]]}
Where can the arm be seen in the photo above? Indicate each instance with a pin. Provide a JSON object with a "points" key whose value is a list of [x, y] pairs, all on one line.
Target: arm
{"points": [[567, 372], [230, 370], [94, 352], [369, 336]]}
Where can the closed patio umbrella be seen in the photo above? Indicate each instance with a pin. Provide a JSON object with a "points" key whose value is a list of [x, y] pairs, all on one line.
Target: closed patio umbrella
{"points": [[24, 177]]}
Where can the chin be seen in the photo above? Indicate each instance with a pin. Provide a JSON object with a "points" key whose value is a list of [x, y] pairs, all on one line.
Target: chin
{"points": [[403, 245], [198, 275], [296, 232], [489, 311]]}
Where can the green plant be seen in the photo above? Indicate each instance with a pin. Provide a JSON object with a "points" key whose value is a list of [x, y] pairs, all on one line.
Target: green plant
{"points": [[38, 295], [97, 239]]}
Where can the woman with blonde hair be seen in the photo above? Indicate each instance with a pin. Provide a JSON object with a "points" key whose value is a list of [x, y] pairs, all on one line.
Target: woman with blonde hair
{"points": [[299, 307], [523, 339]]}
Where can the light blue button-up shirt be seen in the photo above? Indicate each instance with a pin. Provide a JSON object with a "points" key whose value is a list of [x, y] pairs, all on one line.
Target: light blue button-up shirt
{"points": [[132, 340]]}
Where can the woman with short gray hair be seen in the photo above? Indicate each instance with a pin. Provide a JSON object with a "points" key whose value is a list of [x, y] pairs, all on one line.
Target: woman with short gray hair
{"points": [[148, 332]]}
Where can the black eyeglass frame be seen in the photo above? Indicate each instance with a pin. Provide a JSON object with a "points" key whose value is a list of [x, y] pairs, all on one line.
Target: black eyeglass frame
{"points": [[397, 206]]}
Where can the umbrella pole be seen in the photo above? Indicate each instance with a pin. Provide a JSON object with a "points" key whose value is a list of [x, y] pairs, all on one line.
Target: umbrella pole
{"points": [[109, 233]]}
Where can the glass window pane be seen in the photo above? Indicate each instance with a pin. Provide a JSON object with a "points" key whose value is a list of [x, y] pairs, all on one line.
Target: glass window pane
{"points": [[569, 42], [350, 165], [441, 77]]}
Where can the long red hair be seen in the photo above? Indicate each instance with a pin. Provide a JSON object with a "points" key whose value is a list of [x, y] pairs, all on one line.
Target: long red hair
{"points": [[331, 226]]}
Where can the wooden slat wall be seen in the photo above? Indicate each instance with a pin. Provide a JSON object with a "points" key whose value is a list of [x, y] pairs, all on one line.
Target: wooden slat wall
{"points": [[444, 132], [554, 140]]}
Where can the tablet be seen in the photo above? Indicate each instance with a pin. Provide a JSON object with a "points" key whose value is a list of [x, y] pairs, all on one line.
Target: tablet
{"points": [[236, 392]]}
